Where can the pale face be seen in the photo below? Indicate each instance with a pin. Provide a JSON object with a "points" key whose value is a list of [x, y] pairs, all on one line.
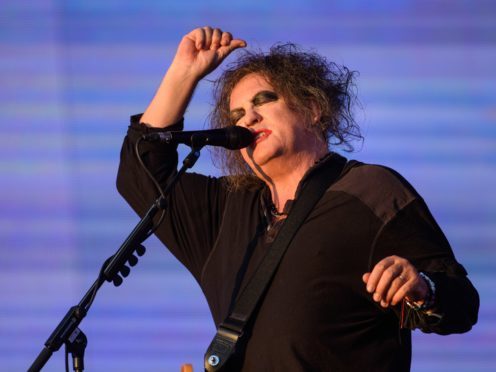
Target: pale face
{"points": [[283, 137]]}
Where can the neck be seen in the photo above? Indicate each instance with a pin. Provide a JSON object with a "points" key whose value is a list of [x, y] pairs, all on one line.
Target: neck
{"points": [[283, 178]]}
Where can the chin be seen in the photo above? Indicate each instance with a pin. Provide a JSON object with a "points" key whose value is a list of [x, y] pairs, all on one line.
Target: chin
{"points": [[259, 161]]}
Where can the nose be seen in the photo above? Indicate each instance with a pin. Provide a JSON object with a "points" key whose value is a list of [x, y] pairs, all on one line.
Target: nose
{"points": [[251, 118]]}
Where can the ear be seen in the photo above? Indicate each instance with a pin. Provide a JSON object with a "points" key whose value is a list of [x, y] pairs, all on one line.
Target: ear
{"points": [[316, 112]]}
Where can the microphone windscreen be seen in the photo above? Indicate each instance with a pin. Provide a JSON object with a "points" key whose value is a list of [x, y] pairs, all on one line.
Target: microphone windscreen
{"points": [[238, 138]]}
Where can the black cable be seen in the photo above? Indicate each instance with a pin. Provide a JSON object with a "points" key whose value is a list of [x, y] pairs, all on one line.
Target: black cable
{"points": [[101, 277], [155, 183], [66, 359], [100, 280]]}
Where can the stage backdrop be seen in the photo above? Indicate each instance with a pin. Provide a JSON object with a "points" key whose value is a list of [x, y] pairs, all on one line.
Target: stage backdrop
{"points": [[71, 73]]}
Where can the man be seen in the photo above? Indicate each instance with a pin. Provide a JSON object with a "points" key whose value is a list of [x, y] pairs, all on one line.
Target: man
{"points": [[367, 265]]}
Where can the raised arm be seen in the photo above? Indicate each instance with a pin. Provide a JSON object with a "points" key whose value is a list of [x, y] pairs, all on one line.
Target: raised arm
{"points": [[198, 54]]}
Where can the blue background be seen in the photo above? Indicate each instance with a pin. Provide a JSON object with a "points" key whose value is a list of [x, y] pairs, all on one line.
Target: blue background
{"points": [[71, 73]]}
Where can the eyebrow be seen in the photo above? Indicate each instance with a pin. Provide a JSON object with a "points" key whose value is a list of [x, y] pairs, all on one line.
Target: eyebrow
{"points": [[268, 93]]}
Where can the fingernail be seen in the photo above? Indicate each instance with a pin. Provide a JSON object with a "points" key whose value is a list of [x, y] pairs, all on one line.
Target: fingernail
{"points": [[376, 297]]}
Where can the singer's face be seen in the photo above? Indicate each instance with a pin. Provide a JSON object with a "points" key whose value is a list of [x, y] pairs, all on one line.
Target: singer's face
{"points": [[281, 132]]}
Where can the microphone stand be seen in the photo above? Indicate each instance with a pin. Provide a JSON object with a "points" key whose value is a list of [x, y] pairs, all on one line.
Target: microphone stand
{"points": [[67, 332]]}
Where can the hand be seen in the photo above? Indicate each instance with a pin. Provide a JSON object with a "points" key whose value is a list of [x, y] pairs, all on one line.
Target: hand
{"points": [[199, 53], [203, 49], [393, 279]]}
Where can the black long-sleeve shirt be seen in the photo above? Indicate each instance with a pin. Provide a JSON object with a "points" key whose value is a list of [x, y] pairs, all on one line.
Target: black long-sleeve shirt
{"points": [[316, 314]]}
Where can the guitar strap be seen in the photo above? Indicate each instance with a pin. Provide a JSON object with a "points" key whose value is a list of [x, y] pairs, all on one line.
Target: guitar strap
{"points": [[231, 329]]}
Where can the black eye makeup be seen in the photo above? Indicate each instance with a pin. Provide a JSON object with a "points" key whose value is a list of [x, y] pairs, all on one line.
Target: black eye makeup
{"points": [[260, 98], [235, 115], [264, 96]]}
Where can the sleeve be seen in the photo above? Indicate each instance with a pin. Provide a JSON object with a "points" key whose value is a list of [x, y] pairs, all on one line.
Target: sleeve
{"points": [[414, 234], [195, 207]]}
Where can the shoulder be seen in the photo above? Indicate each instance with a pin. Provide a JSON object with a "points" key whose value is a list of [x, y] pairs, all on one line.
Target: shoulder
{"points": [[381, 189]]}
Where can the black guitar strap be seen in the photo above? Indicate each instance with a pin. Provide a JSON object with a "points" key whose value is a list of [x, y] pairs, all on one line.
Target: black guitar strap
{"points": [[231, 329]]}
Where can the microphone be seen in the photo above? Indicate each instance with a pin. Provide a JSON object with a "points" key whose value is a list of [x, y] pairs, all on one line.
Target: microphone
{"points": [[232, 138]]}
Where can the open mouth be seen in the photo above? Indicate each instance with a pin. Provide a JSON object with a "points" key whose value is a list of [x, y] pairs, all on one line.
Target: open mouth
{"points": [[261, 135]]}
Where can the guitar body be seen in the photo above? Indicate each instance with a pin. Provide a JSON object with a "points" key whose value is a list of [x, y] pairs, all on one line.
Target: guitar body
{"points": [[186, 368]]}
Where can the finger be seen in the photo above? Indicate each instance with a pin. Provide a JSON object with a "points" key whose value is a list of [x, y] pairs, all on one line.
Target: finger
{"points": [[198, 36], [237, 43], [385, 282], [365, 277], [417, 289], [224, 51], [376, 273], [401, 293], [396, 284], [226, 38], [216, 38], [208, 37]]}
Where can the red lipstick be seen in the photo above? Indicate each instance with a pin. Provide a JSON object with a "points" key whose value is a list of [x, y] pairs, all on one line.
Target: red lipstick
{"points": [[261, 135]]}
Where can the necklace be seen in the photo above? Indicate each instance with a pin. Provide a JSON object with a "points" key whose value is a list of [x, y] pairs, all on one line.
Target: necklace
{"points": [[275, 213]]}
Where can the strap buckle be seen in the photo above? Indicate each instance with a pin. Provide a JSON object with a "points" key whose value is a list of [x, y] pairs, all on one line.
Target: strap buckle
{"points": [[221, 348]]}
